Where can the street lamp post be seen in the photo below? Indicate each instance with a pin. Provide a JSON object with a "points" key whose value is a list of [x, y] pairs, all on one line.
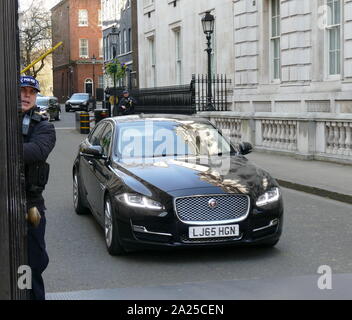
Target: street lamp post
{"points": [[208, 22], [113, 39], [94, 60]]}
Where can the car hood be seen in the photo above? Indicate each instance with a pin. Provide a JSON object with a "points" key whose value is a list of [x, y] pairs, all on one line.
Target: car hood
{"points": [[232, 174]]}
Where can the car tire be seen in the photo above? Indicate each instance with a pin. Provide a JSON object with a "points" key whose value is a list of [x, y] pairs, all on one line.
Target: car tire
{"points": [[67, 109], [112, 239], [78, 203], [58, 117]]}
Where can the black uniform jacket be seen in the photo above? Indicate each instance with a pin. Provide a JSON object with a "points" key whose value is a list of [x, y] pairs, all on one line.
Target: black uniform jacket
{"points": [[129, 103], [37, 146]]}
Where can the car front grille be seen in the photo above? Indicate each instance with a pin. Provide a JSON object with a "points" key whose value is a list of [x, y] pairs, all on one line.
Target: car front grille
{"points": [[196, 210]]}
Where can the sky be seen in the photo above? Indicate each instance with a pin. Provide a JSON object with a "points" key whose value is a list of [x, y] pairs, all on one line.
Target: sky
{"points": [[48, 3]]}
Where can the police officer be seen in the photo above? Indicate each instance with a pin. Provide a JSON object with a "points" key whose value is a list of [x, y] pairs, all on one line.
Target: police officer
{"points": [[126, 105], [39, 139]]}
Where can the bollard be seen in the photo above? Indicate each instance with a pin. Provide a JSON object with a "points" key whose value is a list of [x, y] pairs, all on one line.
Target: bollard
{"points": [[83, 122], [100, 115]]}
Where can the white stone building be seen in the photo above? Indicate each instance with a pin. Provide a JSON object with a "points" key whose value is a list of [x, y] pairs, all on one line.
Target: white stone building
{"points": [[290, 61], [172, 42]]}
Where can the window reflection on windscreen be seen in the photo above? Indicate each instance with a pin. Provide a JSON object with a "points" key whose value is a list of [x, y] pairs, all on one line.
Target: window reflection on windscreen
{"points": [[168, 138]]}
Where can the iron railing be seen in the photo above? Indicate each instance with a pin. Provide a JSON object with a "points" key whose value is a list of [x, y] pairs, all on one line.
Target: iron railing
{"points": [[13, 227], [176, 99], [221, 91]]}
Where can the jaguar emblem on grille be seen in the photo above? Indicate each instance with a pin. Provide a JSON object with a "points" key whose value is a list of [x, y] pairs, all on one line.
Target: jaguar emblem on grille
{"points": [[212, 203]]}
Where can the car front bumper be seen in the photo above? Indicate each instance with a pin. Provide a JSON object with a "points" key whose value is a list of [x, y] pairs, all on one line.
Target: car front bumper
{"points": [[139, 229]]}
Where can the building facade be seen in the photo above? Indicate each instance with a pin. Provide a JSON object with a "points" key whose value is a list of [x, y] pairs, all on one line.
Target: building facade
{"points": [[119, 16], [172, 42], [290, 62], [293, 77], [78, 63]]}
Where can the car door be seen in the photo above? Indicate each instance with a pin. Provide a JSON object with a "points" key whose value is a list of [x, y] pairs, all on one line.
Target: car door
{"points": [[102, 172], [87, 165]]}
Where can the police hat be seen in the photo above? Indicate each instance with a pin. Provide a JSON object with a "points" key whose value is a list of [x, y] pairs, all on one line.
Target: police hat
{"points": [[29, 81], [125, 91]]}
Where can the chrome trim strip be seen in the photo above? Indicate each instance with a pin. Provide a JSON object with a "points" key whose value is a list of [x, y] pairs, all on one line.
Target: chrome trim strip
{"points": [[141, 229], [272, 223], [209, 223]]}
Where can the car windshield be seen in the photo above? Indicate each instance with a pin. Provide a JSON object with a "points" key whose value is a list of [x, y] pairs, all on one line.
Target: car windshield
{"points": [[41, 101], [160, 138], [80, 96]]}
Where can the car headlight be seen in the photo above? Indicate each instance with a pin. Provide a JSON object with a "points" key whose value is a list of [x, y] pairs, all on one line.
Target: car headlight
{"points": [[139, 201], [268, 197], [85, 103]]}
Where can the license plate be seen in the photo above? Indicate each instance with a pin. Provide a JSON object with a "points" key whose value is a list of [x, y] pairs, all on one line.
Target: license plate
{"points": [[214, 232]]}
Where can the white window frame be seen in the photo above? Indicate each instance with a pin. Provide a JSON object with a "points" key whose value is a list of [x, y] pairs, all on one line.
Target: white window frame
{"points": [[125, 41], [273, 40], [152, 60], [100, 17], [101, 48], [100, 81], [178, 56], [331, 25], [81, 21], [81, 47], [121, 43]]}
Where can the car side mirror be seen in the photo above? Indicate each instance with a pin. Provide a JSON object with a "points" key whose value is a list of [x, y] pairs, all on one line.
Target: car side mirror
{"points": [[245, 148], [94, 152]]}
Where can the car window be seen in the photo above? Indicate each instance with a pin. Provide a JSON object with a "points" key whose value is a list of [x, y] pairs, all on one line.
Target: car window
{"points": [[170, 138], [80, 96], [105, 140], [94, 138], [41, 101]]}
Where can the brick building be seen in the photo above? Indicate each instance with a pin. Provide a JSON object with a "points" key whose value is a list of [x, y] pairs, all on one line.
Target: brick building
{"points": [[77, 23]]}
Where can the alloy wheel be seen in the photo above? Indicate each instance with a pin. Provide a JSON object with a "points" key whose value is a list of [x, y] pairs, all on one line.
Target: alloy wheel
{"points": [[75, 190], [108, 223]]}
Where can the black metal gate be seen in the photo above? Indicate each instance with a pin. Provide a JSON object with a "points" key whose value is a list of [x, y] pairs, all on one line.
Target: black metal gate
{"points": [[221, 90], [12, 198]]}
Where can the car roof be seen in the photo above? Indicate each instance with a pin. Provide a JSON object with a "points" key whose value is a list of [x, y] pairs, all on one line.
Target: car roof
{"points": [[165, 117]]}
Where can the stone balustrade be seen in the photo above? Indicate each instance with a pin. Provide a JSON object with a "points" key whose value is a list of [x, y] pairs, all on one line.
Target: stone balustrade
{"points": [[231, 128], [320, 136], [279, 134], [339, 138]]}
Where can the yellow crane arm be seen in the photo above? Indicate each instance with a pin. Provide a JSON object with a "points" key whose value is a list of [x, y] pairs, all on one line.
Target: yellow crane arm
{"points": [[42, 57]]}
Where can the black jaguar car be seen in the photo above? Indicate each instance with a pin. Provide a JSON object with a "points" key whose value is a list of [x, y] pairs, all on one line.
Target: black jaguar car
{"points": [[164, 181]]}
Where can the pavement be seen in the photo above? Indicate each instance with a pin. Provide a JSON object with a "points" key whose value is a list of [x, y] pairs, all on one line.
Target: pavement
{"points": [[292, 288], [327, 179]]}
